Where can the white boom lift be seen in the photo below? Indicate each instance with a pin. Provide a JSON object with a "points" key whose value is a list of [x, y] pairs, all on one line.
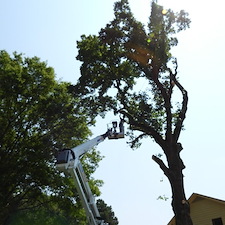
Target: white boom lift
{"points": [[68, 160]]}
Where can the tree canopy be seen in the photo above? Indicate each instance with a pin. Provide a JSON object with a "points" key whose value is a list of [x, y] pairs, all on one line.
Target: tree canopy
{"points": [[124, 55], [38, 117], [106, 213]]}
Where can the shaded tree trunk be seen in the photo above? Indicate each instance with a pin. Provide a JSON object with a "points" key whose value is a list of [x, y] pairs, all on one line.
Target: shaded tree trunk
{"points": [[180, 205], [173, 172]]}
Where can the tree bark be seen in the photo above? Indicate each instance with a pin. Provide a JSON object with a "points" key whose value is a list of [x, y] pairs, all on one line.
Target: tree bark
{"points": [[180, 205]]}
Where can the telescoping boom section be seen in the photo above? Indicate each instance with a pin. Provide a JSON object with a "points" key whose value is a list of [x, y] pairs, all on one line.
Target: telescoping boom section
{"points": [[68, 160]]}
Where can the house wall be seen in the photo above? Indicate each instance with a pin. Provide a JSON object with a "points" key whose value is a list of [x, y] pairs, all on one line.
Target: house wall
{"points": [[204, 210]]}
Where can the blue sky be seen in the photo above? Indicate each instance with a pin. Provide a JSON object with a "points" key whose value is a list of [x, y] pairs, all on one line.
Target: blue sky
{"points": [[49, 29]]}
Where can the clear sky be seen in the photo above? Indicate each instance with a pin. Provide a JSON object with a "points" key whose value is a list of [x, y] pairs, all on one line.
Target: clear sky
{"points": [[49, 29]]}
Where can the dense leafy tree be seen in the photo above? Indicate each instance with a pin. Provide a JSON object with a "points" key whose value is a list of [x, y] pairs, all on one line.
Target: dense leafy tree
{"points": [[124, 55], [38, 117], [37, 217], [106, 213]]}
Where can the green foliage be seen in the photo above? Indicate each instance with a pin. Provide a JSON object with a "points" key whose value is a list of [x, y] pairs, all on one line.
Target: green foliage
{"points": [[125, 52], [38, 117], [37, 217], [106, 213], [124, 55], [164, 198]]}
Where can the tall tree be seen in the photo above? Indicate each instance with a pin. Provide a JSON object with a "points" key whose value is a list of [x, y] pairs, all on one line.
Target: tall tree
{"points": [[116, 61], [38, 117], [106, 213]]}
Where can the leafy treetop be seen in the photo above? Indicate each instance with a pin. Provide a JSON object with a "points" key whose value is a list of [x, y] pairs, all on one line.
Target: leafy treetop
{"points": [[125, 54], [38, 117]]}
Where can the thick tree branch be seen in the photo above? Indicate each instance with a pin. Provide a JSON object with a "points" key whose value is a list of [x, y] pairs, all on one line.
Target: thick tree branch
{"points": [[167, 104], [182, 114], [146, 129], [137, 125], [167, 107], [161, 164], [172, 84]]}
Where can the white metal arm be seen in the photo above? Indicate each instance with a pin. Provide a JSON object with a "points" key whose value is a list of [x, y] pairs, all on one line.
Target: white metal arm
{"points": [[69, 161], [85, 147], [87, 198]]}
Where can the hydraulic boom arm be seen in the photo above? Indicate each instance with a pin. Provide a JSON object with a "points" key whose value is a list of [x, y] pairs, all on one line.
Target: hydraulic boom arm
{"points": [[68, 160]]}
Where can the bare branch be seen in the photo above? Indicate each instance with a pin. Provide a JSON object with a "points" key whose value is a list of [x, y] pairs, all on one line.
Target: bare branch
{"points": [[161, 164], [182, 114], [172, 84], [136, 140]]}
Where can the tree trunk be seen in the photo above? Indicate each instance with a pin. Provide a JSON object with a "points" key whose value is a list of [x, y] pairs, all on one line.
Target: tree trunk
{"points": [[180, 205]]}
